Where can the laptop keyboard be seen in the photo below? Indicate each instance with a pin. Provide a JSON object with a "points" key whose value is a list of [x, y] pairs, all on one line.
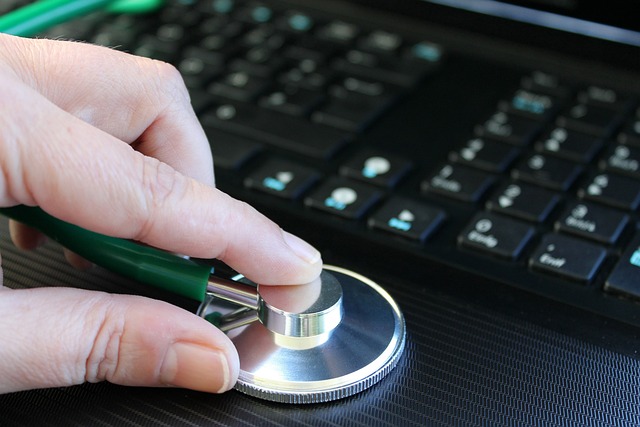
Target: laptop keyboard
{"points": [[543, 194]]}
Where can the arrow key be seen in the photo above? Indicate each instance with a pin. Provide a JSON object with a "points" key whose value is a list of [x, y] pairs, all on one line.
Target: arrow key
{"points": [[407, 218], [524, 201]]}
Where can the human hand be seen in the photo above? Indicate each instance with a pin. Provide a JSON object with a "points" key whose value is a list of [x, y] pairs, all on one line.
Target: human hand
{"points": [[109, 142]]}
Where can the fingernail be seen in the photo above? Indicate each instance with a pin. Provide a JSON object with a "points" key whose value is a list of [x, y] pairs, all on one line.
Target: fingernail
{"points": [[302, 248], [196, 367]]}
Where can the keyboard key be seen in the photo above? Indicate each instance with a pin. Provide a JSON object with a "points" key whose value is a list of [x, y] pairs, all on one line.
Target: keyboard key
{"points": [[510, 128], [613, 190], [459, 182], [239, 86], [593, 222], [354, 103], [496, 235], [348, 199], [199, 66], [276, 129], [380, 41], [547, 171], [384, 69], [539, 81], [631, 131], [231, 151], [539, 106], [625, 277], [485, 154], [407, 218], [595, 120], [292, 100], [524, 201], [296, 22], [570, 258], [623, 159], [604, 97], [570, 144], [338, 32], [377, 168], [282, 178]]}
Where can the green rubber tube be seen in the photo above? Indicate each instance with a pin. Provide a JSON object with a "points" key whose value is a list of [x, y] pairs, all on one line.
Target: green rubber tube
{"points": [[142, 263], [41, 15]]}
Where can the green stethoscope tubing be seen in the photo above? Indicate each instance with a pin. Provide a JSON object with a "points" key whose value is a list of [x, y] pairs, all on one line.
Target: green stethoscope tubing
{"points": [[145, 264], [41, 15]]}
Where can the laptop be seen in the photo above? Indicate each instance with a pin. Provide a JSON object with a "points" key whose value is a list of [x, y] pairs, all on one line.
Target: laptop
{"points": [[478, 159]]}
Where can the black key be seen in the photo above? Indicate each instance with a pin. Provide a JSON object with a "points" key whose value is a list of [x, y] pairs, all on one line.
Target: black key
{"points": [[592, 222], [293, 100], [539, 81], [389, 70], [524, 201], [631, 132], [570, 144], [407, 218], [306, 74], [625, 277], [345, 198], [199, 66], [496, 235], [538, 106], [423, 51], [570, 258], [151, 46], [459, 182], [338, 32], [547, 171], [382, 42], [510, 128], [262, 35], [275, 128], [239, 86], [296, 22], [613, 190], [282, 178], [595, 120], [257, 13], [259, 61], [377, 168], [353, 104], [231, 151], [604, 97], [485, 154], [623, 159]]}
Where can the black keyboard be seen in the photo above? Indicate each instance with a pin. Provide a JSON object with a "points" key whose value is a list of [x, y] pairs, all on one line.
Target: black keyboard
{"points": [[414, 153]]}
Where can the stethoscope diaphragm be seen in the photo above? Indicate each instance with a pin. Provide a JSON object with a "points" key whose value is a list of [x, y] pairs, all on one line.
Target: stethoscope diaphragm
{"points": [[348, 335]]}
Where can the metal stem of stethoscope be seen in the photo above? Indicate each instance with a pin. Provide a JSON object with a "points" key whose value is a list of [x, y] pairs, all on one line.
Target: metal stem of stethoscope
{"points": [[298, 311]]}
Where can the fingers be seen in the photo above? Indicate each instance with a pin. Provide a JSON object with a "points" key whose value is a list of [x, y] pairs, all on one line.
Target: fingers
{"points": [[90, 336], [137, 100], [71, 157]]}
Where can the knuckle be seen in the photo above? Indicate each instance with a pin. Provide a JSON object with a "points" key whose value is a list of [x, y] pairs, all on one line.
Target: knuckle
{"points": [[101, 361], [162, 186]]}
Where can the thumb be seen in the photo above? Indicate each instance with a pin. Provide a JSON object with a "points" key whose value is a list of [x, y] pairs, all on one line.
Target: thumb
{"points": [[92, 336]]}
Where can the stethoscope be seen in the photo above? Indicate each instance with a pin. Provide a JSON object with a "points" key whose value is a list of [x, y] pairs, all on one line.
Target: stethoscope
{"points": [[310, 343]]}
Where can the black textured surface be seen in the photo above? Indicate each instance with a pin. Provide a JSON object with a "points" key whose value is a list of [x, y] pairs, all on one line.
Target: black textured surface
{"points": [[462, 365]]}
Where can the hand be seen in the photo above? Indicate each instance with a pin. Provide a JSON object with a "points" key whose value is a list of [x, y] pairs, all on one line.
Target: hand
{"points": [[109, 142]]}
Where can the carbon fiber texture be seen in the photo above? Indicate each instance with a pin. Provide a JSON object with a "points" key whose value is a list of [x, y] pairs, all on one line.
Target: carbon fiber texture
{"points": [[463, 365]]}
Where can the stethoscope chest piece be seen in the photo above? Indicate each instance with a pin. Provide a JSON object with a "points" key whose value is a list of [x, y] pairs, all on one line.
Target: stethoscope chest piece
{"points": [[348, 337]]}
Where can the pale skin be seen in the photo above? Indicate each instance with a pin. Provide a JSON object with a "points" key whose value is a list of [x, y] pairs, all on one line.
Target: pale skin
{"points": [[109, 142]]}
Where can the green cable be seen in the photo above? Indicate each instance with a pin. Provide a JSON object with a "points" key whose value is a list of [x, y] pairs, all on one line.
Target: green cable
{"points": [[41, 15]]}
